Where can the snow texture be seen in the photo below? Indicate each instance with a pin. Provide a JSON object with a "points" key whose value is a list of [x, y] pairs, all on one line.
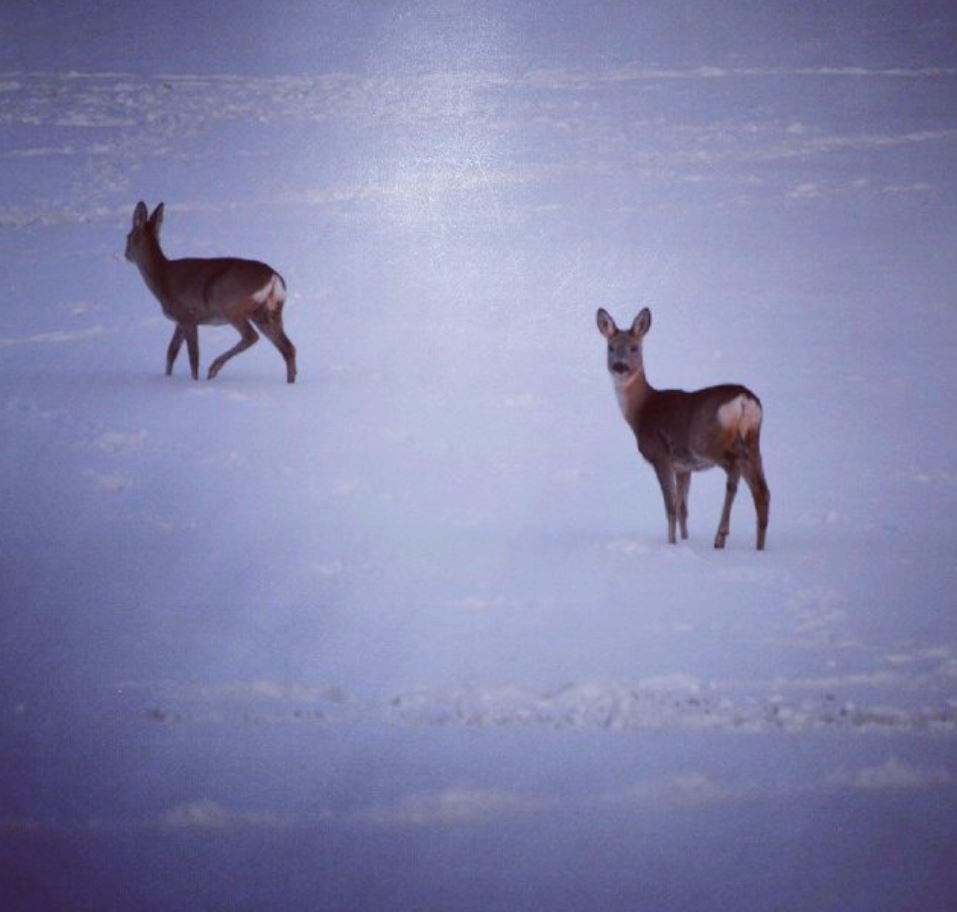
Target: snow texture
{"points": [[408, 634]]}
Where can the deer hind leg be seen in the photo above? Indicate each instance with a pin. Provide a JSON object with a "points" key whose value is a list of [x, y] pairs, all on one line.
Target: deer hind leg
{"points": [[270, 324], [666, 478], [683, 485], [731, 488], [174, 346], [754, 476], [248, 340]]}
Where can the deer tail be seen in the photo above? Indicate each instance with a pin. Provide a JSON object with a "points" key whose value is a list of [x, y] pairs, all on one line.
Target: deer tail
{"points": [[272, 294], [741, 416]]}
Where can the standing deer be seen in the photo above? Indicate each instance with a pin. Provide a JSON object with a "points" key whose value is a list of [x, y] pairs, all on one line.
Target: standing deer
{"points": [[680, 432], [209, 292]]}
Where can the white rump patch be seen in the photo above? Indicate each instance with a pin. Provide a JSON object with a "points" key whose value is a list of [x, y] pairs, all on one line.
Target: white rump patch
{"points": [[742, 413], [272, 294]]}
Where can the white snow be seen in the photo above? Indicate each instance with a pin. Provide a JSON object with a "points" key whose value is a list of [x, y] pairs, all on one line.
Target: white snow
{"points": [[416, 613]]}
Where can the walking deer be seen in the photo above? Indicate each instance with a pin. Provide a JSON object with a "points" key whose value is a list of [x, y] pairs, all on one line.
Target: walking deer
{"points": [[209, 292], [680, 432]]}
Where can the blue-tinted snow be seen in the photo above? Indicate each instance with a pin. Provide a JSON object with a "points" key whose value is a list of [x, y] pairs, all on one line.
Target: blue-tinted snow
{"points": [[408, 634]]}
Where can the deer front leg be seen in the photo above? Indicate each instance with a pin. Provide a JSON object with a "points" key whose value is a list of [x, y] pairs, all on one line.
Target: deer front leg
{"points": [[174, 347], [666, 478], [191, 334], [724, 526], [249, 338], [683, 484]]}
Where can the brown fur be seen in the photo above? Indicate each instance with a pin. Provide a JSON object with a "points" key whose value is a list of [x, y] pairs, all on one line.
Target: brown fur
{"points": [[208, 292], [681, 432]]}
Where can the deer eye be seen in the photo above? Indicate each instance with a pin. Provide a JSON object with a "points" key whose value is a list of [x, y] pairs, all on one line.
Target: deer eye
{"points": [[633, 349]]}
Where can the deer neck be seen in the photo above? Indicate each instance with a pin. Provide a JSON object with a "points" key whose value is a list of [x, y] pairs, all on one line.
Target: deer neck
{"points": [[632, 394], [152, 266]]}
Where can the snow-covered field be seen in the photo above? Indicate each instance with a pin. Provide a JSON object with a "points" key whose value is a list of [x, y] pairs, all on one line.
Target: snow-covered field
{"points": [[407, 634]]}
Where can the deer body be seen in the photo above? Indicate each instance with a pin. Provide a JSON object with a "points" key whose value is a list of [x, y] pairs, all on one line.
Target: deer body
{"points": [[682, 432], [209, 292]]}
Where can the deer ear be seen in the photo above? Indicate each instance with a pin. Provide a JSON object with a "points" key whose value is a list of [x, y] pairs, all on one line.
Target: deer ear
{"points": [[139, 215], [156, 219], [606, 325], [642, 322]]}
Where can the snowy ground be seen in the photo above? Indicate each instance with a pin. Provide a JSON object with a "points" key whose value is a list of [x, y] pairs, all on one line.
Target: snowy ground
{"points": [[407, 635]]}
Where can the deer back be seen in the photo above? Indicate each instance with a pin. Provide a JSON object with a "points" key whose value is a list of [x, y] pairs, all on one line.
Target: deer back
{"points": [[220, 290], [695, 430]]}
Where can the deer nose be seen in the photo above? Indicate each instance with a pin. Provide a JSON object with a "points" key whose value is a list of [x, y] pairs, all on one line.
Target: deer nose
{"points": [[619, 367]]}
